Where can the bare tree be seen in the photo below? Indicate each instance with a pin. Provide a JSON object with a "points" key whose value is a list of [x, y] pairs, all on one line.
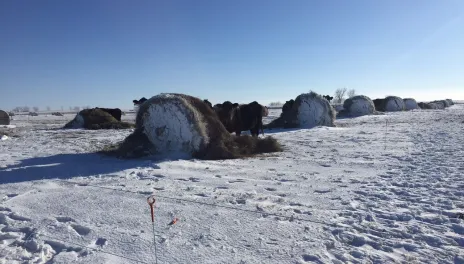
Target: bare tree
{"points": [[25, 109], [339, 95], [275, 104], [48, 108], [351, 93], [35, 109], [77, 108]]}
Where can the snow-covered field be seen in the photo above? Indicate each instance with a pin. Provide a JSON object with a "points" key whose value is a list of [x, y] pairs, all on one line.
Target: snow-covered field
{"points": [[375, 189]]}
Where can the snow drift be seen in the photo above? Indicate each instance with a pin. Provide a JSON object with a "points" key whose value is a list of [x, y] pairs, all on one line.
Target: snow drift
{"points": [[358, 105], [178, 124], [410, 104], [96, 118], [306, 111]]}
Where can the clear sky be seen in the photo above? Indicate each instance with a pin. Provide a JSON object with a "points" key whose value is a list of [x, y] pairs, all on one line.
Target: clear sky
{"points": [[107, 53]]}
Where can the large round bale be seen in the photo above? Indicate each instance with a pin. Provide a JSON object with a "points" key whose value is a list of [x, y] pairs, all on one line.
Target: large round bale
{"points": [[410, 104], [439, 104], [96, 118], [446, 103], [4, 118], [450, 102], [306, 111], [394, 104], [179, 124], [358, 105]]}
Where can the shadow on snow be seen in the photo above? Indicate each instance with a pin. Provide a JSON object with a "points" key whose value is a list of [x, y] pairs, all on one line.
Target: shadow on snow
{"points": [[66, 166]]}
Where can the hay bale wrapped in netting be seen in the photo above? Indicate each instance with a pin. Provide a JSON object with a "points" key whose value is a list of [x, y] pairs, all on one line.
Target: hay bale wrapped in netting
{"points": [[307, 111], [96, 118], [4, 118], [410, 104], [182, 125], [358, 105], [450, 102], [394, 104]]}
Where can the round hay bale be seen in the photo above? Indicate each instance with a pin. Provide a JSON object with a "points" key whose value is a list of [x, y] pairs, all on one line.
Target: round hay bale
{"points": [[307, 111], [96, 119], [359, 105], [410, 104], [178, 124], [446, 103], [4, 118], [450, 102], [394, 104], [438, 104]]}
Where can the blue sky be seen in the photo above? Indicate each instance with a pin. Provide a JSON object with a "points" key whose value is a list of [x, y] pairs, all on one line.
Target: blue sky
{"points": [[106, 53]]}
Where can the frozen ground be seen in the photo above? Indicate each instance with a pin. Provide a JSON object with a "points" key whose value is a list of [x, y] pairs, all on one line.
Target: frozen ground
{"points": [[375, 189]]}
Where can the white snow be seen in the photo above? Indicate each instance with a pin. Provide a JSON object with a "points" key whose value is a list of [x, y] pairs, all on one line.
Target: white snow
{"points": [[4, 137], [167, 126], [375, 189]]}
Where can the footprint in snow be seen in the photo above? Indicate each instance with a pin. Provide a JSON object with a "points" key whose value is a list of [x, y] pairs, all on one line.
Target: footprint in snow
{"points": [[101, 242], [237, 180], [64, 219], [311, 258], [81, 230], [5, 209], [270, 189], [322, 191], [16, 217]]}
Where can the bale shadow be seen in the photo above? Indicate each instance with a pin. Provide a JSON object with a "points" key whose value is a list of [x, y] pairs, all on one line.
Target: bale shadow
{"points": [[280, 130], [66, 166]]}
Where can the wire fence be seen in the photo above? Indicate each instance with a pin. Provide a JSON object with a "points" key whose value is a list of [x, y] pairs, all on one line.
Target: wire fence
{"points": [[163, 198], [261, 212]]}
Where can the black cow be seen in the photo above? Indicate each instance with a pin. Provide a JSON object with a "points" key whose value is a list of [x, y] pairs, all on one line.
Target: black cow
{"points": [[139, 102], [379, 105], [287, 106], [328, 97], [228, 114], [114, 112], [237, 118], [208, 103]]}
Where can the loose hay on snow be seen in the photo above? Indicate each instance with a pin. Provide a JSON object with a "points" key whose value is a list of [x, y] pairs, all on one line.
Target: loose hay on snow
{"points": [[173, 124], [96, 119], [410, 104], [307, 111], [358, 105]]}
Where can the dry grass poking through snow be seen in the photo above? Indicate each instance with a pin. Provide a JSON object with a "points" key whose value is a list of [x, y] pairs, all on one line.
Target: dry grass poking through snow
{"points": [[169, 124]]}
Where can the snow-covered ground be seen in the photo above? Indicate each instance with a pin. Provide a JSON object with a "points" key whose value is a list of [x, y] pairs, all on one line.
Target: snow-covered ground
{"points": [[374, 189]]}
